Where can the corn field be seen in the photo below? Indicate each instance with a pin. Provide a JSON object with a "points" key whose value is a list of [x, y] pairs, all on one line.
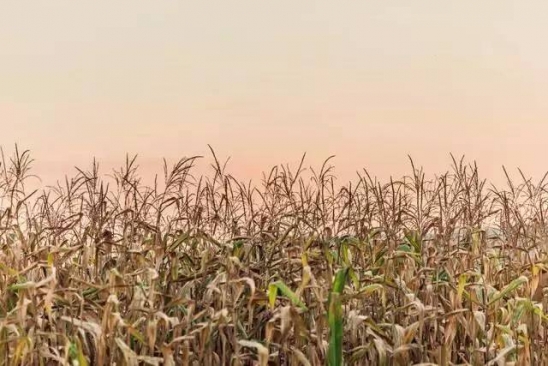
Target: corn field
{"points": [[296, 269]]}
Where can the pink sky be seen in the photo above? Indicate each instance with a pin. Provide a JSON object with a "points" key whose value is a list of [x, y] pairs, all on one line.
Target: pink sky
{"points": [[264, 82]]}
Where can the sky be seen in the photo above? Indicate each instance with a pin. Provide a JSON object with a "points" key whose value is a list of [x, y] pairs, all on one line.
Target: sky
{"points": [[264, 82]]}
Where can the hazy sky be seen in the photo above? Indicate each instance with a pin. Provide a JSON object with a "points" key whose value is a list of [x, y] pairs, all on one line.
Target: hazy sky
{"points": [[265, 81]]}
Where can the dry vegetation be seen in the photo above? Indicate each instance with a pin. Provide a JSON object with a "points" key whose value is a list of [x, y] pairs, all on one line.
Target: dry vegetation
{"points": [[295, 270]]}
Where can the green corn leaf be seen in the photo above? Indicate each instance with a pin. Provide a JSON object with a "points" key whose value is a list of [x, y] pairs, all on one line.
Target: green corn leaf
{"points": [[511, 287], [281, 287], [340, 280], [335, 319], [272, 294]]}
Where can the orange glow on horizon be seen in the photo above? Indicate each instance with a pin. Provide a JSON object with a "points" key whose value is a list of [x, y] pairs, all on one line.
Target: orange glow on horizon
{"points": [[264, 83]]}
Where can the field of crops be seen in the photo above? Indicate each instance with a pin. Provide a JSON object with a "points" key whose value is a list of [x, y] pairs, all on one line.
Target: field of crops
{"points": [[295, 269]]}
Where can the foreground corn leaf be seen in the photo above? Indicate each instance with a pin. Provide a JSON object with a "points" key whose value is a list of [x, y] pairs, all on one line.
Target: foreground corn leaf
{"points": [[335, 319], [262, 351], [511, 287], [282, 288]]}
